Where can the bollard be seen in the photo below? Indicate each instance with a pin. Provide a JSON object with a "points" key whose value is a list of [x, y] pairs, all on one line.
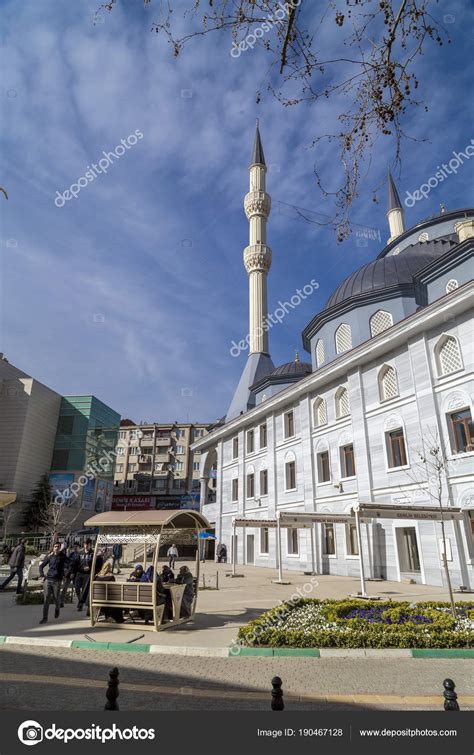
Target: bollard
{"points": [[277, 694], [112, 690], [450, 696]]}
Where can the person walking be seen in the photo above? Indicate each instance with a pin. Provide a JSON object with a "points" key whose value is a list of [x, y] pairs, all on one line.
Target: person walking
{"points": [[52, 581], [70, 571], [117, 551], [172, 556], [83, 574], [222, 553], [16, 563]]}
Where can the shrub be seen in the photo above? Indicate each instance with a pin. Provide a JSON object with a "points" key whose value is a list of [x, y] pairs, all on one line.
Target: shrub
{"points": [[361, 624]]}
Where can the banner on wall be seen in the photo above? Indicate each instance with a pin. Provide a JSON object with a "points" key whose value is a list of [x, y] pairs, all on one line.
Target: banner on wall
{"points": [[100, 496], [108, 496], [60, 487], [88, 494]]}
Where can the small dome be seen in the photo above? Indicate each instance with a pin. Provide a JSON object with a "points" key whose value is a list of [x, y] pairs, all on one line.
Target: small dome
{"points": [[293, 369], [389, 272]]}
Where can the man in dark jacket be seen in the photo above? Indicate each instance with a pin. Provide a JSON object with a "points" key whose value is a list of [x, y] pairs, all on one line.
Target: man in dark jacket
{"points": [[116, 556], [70, 571], [16, 563], [83, 574], [56, 562], [83, 577]]}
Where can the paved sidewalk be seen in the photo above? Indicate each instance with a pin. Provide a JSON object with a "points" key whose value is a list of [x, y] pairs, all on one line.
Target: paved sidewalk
{"points": [[219, 614], [50, 678]]}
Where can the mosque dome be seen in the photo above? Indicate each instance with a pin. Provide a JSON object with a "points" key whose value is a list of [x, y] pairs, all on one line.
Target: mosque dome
{"points": [[292, 369], [389, 273]]}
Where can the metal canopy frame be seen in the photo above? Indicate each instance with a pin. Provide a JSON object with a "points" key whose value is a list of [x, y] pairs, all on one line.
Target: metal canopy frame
{"points": [[144, 528], [360, 512]]}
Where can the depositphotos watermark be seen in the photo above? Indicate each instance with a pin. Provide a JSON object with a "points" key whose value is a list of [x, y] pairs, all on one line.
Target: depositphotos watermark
{"points": [[278, 315], [251, 39], [32, 733], [442, 172], [93, 172]]}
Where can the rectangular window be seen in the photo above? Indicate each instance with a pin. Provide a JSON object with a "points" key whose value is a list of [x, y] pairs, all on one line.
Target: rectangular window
{"points": [[250, 485], [289, 424], [120, 451], [132, 467], [198, 433], [235, 489], [290, 475], [122, 434], [159, 484], [235, 448], [119, 467], [397, 456], [65, 425], [134, 451], [292, 535], [263, 482], [351, 540], [179, 433], [324, 472], [196, 466], [347, 461], [462, 431], [264, 540], [180, 449], [60, 459], [263, 436], [329, 541], [250, 442], [179, 466]]}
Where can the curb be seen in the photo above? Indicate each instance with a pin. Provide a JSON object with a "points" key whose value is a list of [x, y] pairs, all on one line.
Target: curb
{"points": [[226, 652]]}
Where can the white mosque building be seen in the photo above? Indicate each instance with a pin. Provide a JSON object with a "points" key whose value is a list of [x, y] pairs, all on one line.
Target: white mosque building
{"points": [[316, 463]]}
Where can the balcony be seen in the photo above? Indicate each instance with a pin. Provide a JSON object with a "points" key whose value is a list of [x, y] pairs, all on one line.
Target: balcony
{"points": [[163, 440], [146, 443], [144, 461], [163, 458]]}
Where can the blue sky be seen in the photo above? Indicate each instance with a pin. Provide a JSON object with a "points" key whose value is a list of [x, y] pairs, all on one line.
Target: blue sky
{"points": [[135, 290]]}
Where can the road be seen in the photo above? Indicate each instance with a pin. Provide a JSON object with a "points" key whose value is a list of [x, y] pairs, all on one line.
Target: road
{"points": [[41, 678]]}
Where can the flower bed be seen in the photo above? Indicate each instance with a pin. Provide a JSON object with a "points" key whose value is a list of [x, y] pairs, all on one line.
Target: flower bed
{"points": [[361, 624]]}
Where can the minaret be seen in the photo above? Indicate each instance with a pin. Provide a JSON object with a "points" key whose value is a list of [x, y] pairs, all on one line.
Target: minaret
{"points": [[257, 262], [257, 255], [395, 211]]}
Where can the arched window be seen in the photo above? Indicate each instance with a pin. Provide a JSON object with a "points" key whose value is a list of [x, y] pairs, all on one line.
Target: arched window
{"points": [[451, 285], [320, 352], [448, 356], [388, 383], [342, 402], [320, 413], [343, 338], [379, 322]]}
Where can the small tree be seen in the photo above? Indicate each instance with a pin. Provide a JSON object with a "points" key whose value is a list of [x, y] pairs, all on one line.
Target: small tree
{"points": [[432, 465], [38, 504], [7, 513]]}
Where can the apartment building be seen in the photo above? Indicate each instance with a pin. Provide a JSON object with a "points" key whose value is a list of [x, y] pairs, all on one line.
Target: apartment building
{"points": [[155, 467]]}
